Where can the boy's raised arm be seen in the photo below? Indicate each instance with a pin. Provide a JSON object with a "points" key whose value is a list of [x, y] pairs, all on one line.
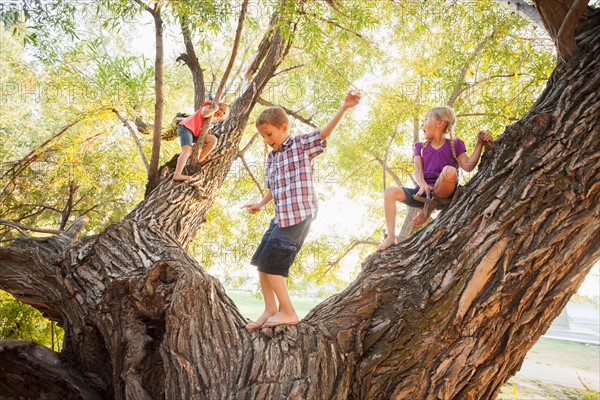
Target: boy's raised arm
{"points": [[352, 98]]}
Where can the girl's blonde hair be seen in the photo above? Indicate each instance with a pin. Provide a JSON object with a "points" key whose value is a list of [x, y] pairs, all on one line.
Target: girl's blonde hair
{"points": [[446, 114]]}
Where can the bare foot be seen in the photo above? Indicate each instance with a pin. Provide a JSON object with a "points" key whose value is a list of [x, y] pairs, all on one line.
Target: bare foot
{"points": [[423, 216], [252, 326], [181, 178], [387, 242], [282, 319]]}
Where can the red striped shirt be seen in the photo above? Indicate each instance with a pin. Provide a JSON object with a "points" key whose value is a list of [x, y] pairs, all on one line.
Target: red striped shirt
{"points": [[290, 176]]}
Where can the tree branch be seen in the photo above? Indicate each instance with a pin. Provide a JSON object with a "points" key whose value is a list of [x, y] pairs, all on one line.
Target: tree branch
{"points": [[465, 69], [337, 25], [34, 155], [387, 169], [307, 121], [565, 41], [348, 249], [385, 156], [135, 138], [46, 374], [207, 122], [258, 185], [191, 60], [249, 144], [283, 71]]}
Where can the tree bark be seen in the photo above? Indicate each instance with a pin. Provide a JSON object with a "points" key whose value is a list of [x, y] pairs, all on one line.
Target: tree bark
{"points": [[449, 313]]}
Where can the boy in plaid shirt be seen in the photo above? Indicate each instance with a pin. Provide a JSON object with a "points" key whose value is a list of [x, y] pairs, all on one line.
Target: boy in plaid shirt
{"points": [[289, 178]]}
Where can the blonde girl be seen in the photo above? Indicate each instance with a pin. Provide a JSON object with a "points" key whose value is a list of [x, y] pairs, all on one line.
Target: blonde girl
{"points": [[436, 160]]}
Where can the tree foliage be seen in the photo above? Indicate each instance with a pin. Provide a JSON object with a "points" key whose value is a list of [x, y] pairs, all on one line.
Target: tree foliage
{"points": [[88, 65]]}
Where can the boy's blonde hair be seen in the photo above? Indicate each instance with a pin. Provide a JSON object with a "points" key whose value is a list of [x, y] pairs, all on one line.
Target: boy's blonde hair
{"points": [[445, 114], [273, 115]]}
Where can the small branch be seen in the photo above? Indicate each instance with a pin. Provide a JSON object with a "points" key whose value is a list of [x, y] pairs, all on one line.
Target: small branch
{"points": [[135, 138], [337, 25], [75, 228], [249, 144], [260, 189], [145, 6], [332, 264], [236, 44], [34, 154], [283, 71], [463, 73], [307, 121], [387, 169], [191, 60], [385, 156], [66, 211], [22, 228]]}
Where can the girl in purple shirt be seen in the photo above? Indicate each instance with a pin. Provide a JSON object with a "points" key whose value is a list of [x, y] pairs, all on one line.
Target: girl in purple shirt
{"points": [[436, 169]]}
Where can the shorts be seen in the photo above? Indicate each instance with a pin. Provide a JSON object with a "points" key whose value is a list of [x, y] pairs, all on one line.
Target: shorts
{"points": [[186, 137], [408, 192], [279, 247]]}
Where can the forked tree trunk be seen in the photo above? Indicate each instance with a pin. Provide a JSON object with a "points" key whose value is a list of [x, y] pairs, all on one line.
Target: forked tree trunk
{"points": [[449, 313]]}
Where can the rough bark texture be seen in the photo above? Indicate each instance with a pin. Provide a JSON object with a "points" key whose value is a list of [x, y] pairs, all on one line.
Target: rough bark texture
{"points": [[449, 313]]}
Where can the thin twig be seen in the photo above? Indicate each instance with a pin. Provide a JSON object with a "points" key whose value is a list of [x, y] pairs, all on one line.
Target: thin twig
{"points": [[21, 228], [249, 144], [332, 264], [260, 189], [307, 121], [135, 138], [283, 71], [217, 98], [385, 156]]}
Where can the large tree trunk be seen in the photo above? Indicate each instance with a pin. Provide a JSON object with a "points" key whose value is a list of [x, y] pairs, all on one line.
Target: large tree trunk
{"points": [[449, 313]]}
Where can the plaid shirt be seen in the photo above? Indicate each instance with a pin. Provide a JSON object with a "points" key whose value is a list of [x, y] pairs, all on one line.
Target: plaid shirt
{"points": [[289, 175]]}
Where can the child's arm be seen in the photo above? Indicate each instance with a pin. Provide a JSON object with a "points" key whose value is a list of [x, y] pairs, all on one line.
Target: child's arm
{"points": [[352, 99], [420, 177], [207, 110], [256, 207], [469, 163]]}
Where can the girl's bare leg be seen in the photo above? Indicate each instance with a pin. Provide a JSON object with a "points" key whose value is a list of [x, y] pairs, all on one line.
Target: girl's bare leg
{"points": [[446, 182], [390, 197], [186, 151], [209, 144]]}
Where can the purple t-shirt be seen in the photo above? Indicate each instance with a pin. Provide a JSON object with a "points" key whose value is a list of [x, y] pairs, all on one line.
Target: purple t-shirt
{"points": [[434, 160]]}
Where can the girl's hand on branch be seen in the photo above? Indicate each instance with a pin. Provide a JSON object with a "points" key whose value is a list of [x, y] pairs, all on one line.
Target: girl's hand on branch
{"points": [[485, 138], [424, 189]]}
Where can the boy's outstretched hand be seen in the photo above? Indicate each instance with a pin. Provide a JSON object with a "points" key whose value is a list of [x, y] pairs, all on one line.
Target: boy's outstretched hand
{"points": [[352, 98], [252, 208]]}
